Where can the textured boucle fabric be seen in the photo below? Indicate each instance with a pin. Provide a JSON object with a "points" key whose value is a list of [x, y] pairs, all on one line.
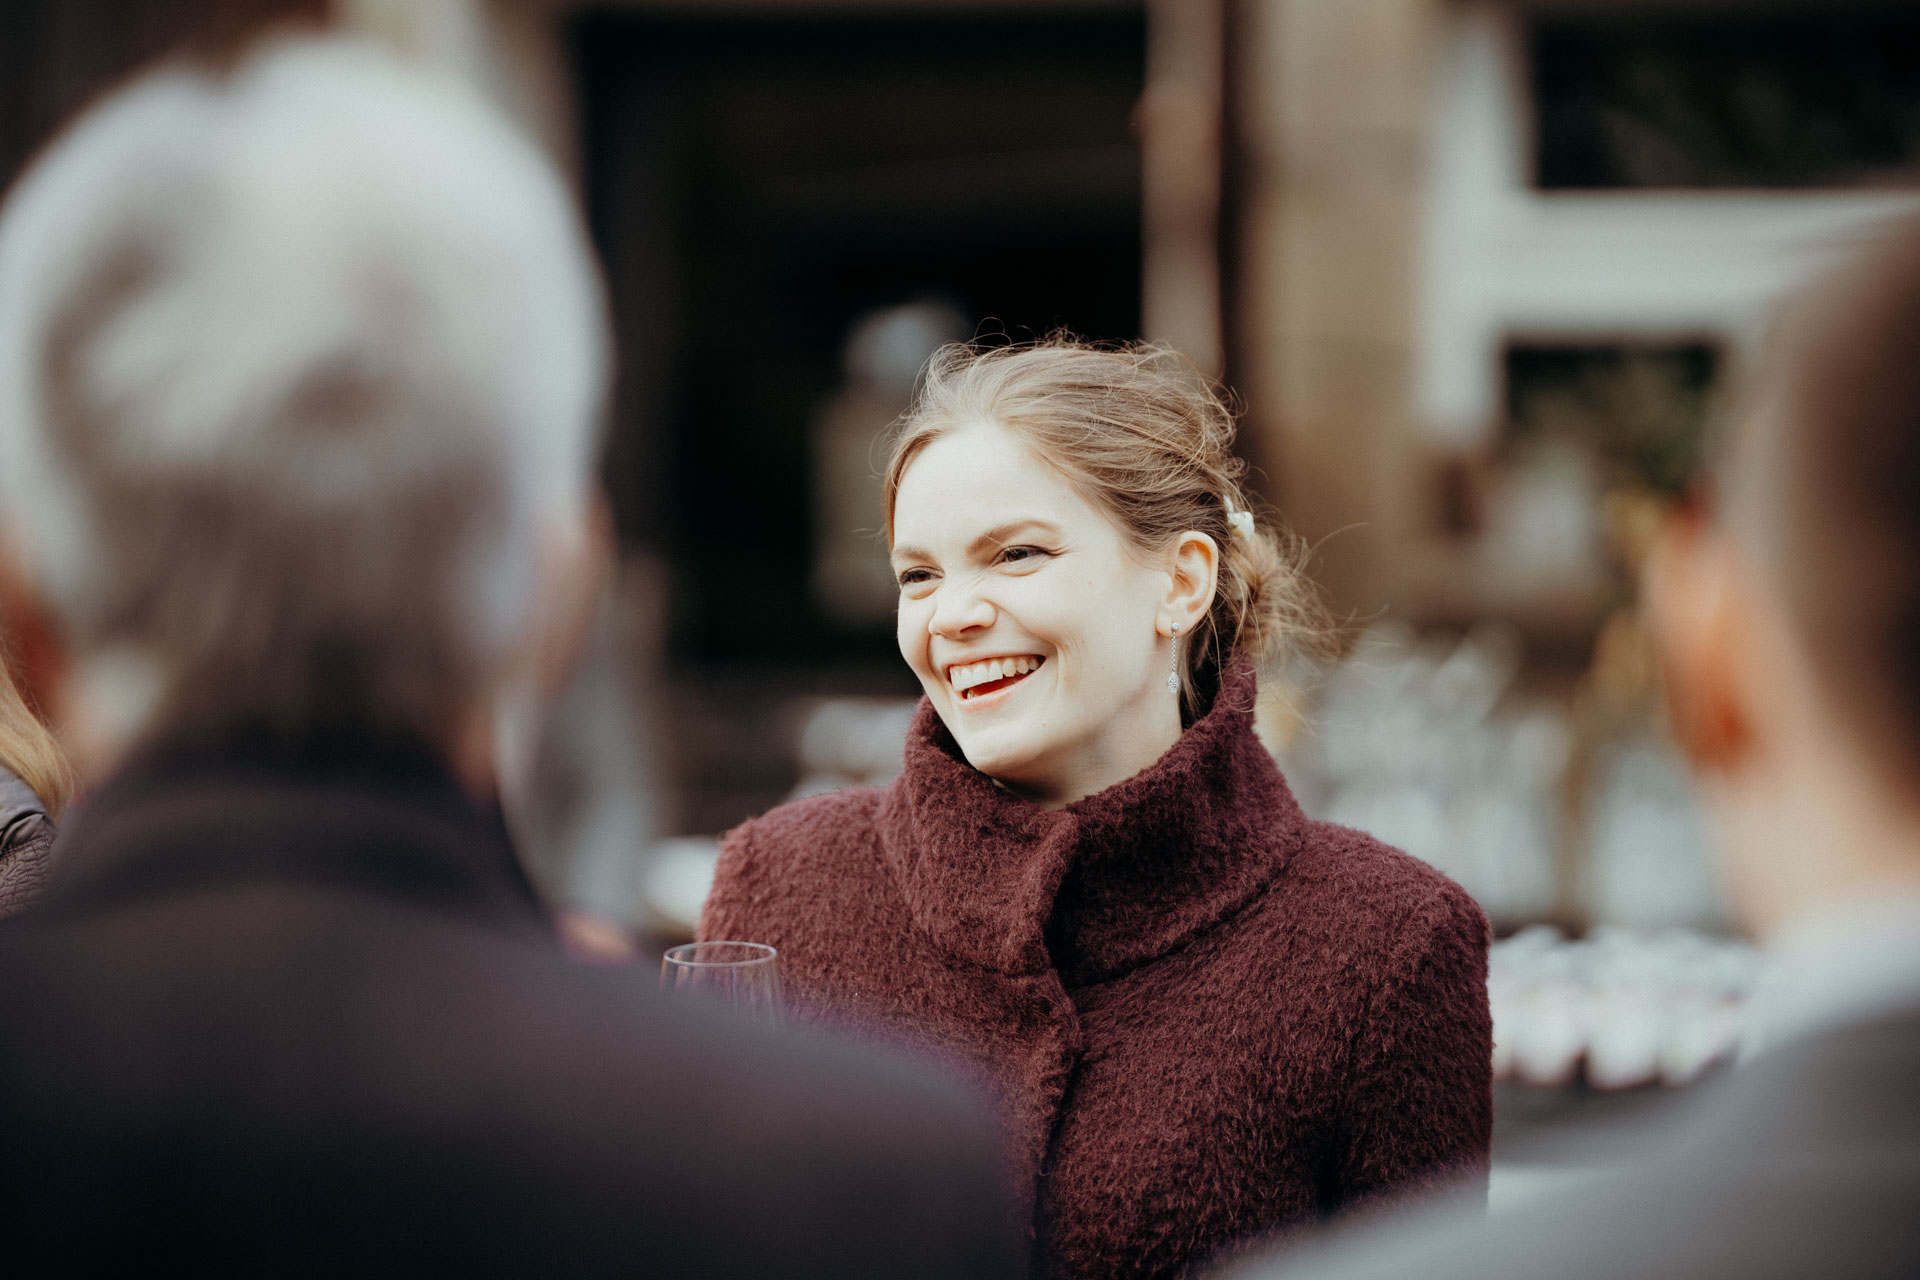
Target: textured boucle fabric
{"points": [[26, 844], [1204, 1017]]}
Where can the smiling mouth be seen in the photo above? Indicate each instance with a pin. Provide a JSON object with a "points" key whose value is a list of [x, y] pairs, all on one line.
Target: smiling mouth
{"points": [[978, 679]]}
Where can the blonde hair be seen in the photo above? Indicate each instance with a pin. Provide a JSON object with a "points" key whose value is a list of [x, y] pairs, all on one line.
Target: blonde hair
{"points": [[1142, 435], [28, 749]]}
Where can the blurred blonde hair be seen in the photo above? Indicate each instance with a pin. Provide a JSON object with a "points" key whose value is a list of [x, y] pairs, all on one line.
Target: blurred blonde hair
{"points": [[28, 748], [1141, 434]]}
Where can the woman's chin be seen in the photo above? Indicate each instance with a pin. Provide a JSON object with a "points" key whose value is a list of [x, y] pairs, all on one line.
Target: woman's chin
{"points": [[1012, 760]]}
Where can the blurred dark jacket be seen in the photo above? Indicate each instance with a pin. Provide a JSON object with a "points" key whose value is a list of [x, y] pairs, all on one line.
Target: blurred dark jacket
{"points": [[1805, 1163], [296, 1011], [1204, 1015], [26, 843]]}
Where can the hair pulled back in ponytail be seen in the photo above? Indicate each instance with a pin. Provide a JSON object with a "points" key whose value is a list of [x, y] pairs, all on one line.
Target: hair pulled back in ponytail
{"points": [[1148, 440]]}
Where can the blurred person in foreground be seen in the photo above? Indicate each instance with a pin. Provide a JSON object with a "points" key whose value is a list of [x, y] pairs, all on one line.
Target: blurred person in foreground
{"points": [[1204, 1015], [299, 363], [1787, 612], [34, 783]]}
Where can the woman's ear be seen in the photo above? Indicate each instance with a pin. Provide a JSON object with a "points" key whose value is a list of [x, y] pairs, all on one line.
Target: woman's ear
{"points": [[1193, 573], [1693, 607]]}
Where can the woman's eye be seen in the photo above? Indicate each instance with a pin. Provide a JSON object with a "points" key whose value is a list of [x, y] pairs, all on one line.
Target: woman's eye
{"points": [[1018, 555], [914, 577]]}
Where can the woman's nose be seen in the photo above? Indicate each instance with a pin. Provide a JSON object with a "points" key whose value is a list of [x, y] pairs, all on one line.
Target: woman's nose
{"points": [[958, 609]]}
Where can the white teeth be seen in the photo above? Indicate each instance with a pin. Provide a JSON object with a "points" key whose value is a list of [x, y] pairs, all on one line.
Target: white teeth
{"points": [[979, 673]]}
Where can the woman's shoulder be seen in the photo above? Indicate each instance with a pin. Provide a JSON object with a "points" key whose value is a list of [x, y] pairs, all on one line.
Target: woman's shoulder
{"points": [[1351, 914], [1377, 887], [816, 831], [832, 816], [802, 861]]}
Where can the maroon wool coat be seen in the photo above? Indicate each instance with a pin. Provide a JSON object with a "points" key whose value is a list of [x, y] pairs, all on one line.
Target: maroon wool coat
{"points": [[1203, 1016]]}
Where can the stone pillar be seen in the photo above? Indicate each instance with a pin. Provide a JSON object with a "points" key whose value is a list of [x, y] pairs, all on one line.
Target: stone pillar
{"points": [[1331, 103], [1180, 118]]}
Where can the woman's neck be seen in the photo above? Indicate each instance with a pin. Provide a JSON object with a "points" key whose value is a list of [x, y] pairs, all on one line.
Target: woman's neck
{"points": [[1127, 747]]}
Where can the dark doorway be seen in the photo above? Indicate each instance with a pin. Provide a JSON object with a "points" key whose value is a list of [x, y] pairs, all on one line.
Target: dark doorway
{"points": [[757, 183]]}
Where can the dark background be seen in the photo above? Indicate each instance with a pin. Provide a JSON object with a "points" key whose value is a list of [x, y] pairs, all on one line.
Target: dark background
{"points": [[756, 184]]}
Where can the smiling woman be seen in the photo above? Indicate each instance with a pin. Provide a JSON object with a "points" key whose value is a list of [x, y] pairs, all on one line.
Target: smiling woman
{"points": [[1015, 598], [1203, 1015]]}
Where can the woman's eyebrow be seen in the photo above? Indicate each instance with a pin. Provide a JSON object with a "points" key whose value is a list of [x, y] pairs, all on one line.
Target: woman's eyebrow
{"points": [[1000, 535]]}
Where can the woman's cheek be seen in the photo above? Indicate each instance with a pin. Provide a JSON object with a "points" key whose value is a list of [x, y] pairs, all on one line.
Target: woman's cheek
{"points": [[910, 632], [1032, 603]]}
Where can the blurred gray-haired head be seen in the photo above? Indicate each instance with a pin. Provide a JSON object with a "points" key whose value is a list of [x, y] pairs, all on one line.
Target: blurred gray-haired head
{"points": [[296, 357]]}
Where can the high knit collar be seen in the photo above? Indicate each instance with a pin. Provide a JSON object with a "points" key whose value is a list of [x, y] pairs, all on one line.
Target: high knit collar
{"points": [[1106, 883]]}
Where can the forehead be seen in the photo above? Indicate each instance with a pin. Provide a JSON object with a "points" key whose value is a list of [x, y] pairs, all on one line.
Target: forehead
{"points": [[977, 477]]}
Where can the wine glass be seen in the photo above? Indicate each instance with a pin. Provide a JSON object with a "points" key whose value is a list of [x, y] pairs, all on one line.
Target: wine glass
{"points": [[742, 975]]}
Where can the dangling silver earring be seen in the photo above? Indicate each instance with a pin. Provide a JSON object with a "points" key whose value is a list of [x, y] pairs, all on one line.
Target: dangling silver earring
{"points": [[1173, 659]]}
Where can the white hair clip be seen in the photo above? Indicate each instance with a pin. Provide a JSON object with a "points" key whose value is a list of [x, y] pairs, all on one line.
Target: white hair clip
{"points": [[1240, 522]]}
